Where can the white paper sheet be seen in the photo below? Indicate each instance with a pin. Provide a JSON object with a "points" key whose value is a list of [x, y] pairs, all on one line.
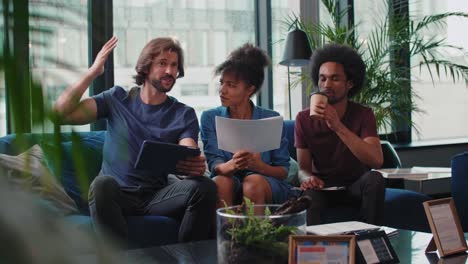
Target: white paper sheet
{"points": [[340, 228], [251, 135]]}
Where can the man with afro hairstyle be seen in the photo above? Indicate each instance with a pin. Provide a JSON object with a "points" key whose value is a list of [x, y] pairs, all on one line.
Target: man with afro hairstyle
{"points": [[342, 146]]}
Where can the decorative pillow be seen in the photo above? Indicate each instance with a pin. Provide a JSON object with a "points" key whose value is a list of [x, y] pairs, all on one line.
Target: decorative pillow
{"points": [[27, 171], [75, 165], [293, 177]]}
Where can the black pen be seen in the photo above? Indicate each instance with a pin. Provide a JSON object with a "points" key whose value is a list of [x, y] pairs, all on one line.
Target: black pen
{"points": [[365, 231]]}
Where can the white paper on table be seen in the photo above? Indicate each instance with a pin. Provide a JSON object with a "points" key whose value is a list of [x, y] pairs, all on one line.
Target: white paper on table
{"points": [[340, 228], [253, 135]]}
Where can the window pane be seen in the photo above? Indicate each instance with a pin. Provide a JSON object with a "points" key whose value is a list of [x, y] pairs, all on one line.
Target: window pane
{"points": [[199, 53], [369, 16], [58, 58], [208, 30], [444, 102], [220, 49], [280, 12]]}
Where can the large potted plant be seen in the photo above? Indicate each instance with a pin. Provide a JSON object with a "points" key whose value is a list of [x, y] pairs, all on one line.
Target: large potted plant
{"points": [[388, 85]]}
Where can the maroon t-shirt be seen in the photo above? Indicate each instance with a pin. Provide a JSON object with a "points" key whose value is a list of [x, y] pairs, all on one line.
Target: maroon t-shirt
{"points": [[332, 160]]}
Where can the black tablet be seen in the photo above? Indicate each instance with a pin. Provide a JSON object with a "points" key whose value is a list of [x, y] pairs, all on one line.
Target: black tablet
{"points": [[163, 157], [375, 247]]}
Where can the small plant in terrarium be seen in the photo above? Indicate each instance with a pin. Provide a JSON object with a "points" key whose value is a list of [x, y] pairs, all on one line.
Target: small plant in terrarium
{"points": [[257, 233]]}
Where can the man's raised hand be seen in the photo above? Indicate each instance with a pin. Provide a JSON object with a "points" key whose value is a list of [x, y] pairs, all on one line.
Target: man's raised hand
{"points": [[98, 66]]}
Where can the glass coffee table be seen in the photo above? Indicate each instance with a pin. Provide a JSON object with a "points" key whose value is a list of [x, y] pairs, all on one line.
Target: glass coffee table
{"points": [[192, 252], [409, 246]]}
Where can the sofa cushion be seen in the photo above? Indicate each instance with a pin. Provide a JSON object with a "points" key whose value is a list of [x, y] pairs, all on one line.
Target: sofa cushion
{"points": [[293, 173], [404, 209], [459, 165], [76, 163], [289, 133], [27, 171], [14, 144]]}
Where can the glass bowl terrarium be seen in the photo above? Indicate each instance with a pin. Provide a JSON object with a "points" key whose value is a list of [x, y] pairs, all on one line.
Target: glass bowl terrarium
{"points": [[256, 233]]}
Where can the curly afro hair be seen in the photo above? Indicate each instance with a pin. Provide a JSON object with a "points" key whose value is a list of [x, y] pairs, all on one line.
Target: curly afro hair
{"points": [[353, 65], [246, 63]]}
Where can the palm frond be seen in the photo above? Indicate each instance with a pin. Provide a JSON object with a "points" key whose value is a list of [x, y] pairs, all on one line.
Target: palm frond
{"points": [[437, 19], [454, 70]]}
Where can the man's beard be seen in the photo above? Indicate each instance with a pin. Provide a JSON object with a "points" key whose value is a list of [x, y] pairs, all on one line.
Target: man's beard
{"points": [[159, 87], [334, 100]]}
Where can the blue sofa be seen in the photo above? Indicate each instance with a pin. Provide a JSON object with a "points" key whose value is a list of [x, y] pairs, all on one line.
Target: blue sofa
{"points": [[403, 209], [459, 164]]}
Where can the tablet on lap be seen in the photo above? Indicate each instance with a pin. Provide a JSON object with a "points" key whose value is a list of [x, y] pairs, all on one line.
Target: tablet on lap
{"points": [[161, 156]]}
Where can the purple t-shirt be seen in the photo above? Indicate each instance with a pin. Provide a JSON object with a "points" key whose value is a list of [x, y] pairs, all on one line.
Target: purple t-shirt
{"points": [[332, 160], [130, 122]]}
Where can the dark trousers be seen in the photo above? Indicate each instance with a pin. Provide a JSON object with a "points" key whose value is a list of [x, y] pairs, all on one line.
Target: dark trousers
{"points": [[192, 201], [367, 193]]}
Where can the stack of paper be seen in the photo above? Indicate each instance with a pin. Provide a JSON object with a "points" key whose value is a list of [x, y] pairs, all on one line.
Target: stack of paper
{"points": [[415, 172], [402, 173], [340, 228], [433, 169]]}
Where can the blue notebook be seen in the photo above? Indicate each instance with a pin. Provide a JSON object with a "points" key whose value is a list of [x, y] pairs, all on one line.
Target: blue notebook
{"points": [[163, 157]]}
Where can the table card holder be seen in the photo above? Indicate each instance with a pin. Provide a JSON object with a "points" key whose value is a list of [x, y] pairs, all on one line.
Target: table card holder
{"points": [[375, 247], [322, 249], [448, 237]]}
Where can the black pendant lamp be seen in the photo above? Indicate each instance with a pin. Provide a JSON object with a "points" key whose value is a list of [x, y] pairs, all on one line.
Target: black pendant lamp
{"points": [[296, 53]]}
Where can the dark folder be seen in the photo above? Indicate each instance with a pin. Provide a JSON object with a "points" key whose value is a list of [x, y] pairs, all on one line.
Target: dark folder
{"points": [[163, 157]]}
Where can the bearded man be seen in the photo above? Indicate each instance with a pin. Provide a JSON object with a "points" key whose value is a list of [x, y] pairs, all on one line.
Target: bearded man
{"points": [[144, 112]]}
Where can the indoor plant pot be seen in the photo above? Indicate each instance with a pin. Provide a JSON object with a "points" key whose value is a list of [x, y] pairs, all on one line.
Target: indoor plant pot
{"points": [[254, 234]]}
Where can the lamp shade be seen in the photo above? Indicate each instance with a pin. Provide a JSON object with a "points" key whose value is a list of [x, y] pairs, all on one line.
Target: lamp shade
{"points": [[297, 50]]}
